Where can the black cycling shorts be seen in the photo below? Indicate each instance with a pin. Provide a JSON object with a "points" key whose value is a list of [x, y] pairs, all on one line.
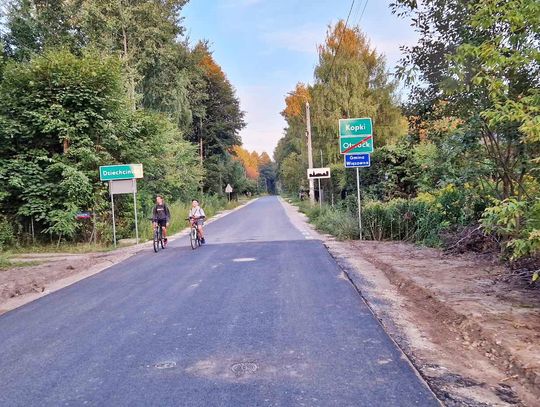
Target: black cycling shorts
{"points": [[162, 222]]}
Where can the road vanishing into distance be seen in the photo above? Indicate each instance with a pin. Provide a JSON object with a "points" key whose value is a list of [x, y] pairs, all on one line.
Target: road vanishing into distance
{"points": [[260, 316]]}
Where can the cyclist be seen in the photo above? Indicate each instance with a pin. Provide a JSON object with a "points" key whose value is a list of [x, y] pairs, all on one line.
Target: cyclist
{"points": [[196, 216], [161, 216]]}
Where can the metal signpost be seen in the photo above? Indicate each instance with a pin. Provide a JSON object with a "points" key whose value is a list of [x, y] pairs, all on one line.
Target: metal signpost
{"points": [[122, 180], [356, 143], [318, 174]]}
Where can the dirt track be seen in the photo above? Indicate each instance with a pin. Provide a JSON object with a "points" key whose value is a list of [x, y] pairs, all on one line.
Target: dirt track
{"points": [[468, 333]]}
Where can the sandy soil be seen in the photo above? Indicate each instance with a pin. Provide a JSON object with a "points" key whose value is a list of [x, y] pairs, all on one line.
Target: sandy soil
{"points": [[474, 337], [54, 270]]}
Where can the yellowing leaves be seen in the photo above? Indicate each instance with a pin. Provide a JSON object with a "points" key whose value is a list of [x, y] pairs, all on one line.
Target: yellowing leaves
{"points": [[296, 101]]}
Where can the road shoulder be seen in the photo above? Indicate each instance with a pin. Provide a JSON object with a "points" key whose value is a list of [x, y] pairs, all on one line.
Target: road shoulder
{"points": [[474, 343]]}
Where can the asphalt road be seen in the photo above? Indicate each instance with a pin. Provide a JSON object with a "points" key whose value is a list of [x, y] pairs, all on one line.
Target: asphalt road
{"points": [[260, 316]]}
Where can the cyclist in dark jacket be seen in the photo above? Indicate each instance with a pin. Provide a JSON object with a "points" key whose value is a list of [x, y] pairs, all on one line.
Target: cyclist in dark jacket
{"points": [[161, 216]]}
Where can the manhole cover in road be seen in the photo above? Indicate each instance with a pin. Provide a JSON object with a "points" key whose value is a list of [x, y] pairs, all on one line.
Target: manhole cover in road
{"points": [[165, 365], [244, 368]]}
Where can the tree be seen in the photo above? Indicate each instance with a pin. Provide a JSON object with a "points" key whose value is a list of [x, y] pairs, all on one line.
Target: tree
{"points": [[478, 62], [222, 118], [62, 116], [351, 80]]}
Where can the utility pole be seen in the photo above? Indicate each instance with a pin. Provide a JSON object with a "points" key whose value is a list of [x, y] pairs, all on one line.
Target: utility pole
{"points": [[310, 154], [320, 189], [201, 150], [200, 140]]}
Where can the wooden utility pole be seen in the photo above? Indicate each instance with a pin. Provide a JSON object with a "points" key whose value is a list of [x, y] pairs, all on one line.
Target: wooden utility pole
{"points": [[310, 153]]}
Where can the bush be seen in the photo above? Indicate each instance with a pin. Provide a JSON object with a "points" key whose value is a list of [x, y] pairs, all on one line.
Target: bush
{"points": [[401, 219], [7, 235], [517, 223]]}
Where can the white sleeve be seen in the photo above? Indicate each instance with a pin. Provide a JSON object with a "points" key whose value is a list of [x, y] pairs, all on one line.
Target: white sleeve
{"points": [[202, 212]]}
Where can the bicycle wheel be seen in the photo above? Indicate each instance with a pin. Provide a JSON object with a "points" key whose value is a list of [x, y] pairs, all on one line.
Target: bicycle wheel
{"points": [[193, 238], [161, 238], [156, 241]]}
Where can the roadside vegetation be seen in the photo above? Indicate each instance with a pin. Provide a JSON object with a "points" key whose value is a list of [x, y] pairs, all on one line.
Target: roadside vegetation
{"points": [[92, 83], [455, 166]]}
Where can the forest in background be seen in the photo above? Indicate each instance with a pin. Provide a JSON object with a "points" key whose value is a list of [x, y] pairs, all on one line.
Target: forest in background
{"points": [[458, 163], [85, 83]]}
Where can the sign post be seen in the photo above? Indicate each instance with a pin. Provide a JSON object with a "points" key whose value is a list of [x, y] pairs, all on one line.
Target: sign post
{"points": [[135, 210], [112, 206], [122, 180], [318, 174], [356, 143], [359, 201]]}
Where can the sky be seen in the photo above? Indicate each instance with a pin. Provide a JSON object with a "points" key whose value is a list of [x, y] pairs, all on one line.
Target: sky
{"points": [[266, 47]]}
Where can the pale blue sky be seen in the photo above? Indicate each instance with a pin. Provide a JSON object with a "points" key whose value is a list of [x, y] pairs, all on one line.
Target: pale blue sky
{"points": [[266, 46]]}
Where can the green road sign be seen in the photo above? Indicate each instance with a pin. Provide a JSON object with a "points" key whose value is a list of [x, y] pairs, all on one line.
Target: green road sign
{"points": [[123, 171], [356, 145], [355, 127]]}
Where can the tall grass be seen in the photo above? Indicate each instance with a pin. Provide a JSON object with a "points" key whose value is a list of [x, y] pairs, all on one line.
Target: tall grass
{"points": [[179, 212], [211, 204], [398, 219]]}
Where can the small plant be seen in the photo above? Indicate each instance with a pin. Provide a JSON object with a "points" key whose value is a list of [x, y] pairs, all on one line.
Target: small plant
{"points": [[517, 223], [7, 235]]}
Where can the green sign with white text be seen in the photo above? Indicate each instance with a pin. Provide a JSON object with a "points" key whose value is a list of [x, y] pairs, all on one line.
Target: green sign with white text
{"points": [[122, 171], [355, 127]]}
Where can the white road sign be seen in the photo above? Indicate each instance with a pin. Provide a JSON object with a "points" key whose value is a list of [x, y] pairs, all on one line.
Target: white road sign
{"points": [[316, 173]]}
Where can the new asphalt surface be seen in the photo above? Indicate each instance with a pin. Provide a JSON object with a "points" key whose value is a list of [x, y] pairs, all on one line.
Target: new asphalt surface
{"points": [[260, 316]]}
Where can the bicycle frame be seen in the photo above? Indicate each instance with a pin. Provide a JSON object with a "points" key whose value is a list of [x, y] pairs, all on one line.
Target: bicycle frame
{"points": [[158, 237]]}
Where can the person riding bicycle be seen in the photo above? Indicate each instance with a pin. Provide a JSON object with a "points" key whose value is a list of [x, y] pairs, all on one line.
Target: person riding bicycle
{"points": [[161, 216], [196, 216]]}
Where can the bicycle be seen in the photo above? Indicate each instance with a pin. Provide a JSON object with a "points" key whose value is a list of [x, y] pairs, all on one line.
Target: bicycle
{"points": [[158, 236], [194, 238]]}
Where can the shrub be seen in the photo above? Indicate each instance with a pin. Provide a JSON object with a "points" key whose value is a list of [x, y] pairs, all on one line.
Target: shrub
{"points": [[517, 223], [7, 235], [401, 219]]}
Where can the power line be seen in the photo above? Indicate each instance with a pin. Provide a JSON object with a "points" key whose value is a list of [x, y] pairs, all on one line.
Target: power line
{"points": [[340, 40], [362, 14]]}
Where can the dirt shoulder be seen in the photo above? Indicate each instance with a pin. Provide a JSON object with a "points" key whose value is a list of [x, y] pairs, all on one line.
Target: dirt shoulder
{"points": [[53, 271], [474, 338]]}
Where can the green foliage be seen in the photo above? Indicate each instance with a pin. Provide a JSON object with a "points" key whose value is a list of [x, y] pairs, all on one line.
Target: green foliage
{"points": [[476, 63], [342, 224], [401, 219], [59, 122], [64, 116], [6, 233], [292, 173], [351, 80], [212, 204], [517, 223]]}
